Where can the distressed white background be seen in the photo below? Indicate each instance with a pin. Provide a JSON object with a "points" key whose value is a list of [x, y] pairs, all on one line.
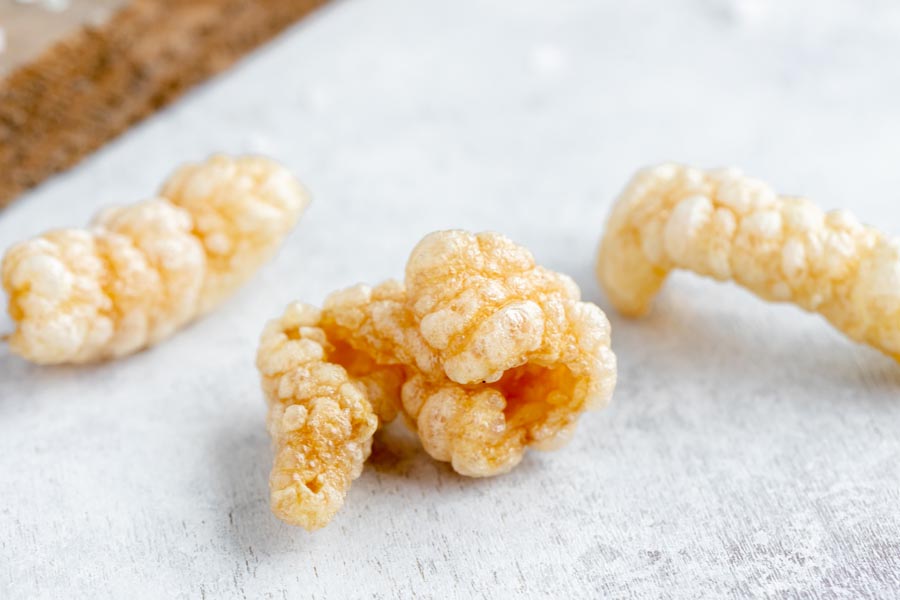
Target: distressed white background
{"points": [[749, 449]]}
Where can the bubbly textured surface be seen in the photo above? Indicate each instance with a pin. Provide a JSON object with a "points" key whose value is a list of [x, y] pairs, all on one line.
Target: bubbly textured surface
{"points": [[747, 452], [142, 271], [730, 227], [326, 400], [241, 210], [485, 353], [521, 356], [320, 419]]}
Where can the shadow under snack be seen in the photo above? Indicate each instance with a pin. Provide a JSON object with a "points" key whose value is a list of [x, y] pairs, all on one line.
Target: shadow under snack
{"points": [[696, 326], [398, 467]]}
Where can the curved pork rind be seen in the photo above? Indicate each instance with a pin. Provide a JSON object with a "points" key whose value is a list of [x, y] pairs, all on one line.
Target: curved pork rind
{"points": [[241, 210], [522, 356], [320, 419], [730, 227], [494, 354], [141, 272]]}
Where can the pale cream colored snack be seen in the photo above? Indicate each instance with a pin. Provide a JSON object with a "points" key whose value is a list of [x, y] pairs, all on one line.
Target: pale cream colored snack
{"points": [[142, 271], [494, 355], [730, 227], [241, 211]]}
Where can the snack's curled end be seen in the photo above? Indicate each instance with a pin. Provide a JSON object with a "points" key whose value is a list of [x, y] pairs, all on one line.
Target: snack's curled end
{"points": [[241, 209], [730, 227], [521, 356], [325, 400], [142, 271]]}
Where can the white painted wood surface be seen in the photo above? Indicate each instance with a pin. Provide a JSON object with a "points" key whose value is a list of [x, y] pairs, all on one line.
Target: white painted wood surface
{"points": [[749, 450]]}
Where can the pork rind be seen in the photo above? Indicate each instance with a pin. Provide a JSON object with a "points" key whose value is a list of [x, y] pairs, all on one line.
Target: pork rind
{"points": [[494, 354], [521, 357], [724, 225], [320, 418], [241, 210], [141, 272]]}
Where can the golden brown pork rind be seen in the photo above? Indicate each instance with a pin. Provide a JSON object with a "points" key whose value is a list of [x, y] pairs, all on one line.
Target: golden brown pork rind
{"points": [[494, 354]]}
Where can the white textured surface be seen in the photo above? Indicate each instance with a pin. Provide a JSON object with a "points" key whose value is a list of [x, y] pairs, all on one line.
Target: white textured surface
{"points": [[749, 449]]}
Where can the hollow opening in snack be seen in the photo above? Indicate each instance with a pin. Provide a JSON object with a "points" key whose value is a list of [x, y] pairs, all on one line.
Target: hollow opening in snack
{"points": [[532, 391], [313, 485], [356, 362], [381, 382]]}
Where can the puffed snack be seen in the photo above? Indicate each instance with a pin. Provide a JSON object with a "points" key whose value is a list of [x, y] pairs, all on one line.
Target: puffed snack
{"points": [[724, 225], [141, 272], [485, 354]]}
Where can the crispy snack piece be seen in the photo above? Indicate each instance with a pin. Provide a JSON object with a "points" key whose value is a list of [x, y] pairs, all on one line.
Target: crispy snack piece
{"points": [[140, 272], [321, 415], [724, 225], [522, 357], [494, 355], [241, 209], [327, 396]]}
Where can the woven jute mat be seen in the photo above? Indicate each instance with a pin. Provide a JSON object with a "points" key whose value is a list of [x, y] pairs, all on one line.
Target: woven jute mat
{"points": [[108, 68]]}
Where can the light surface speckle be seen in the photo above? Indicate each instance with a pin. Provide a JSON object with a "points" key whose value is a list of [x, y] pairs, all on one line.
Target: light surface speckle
{"points": [[749, 450]]}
